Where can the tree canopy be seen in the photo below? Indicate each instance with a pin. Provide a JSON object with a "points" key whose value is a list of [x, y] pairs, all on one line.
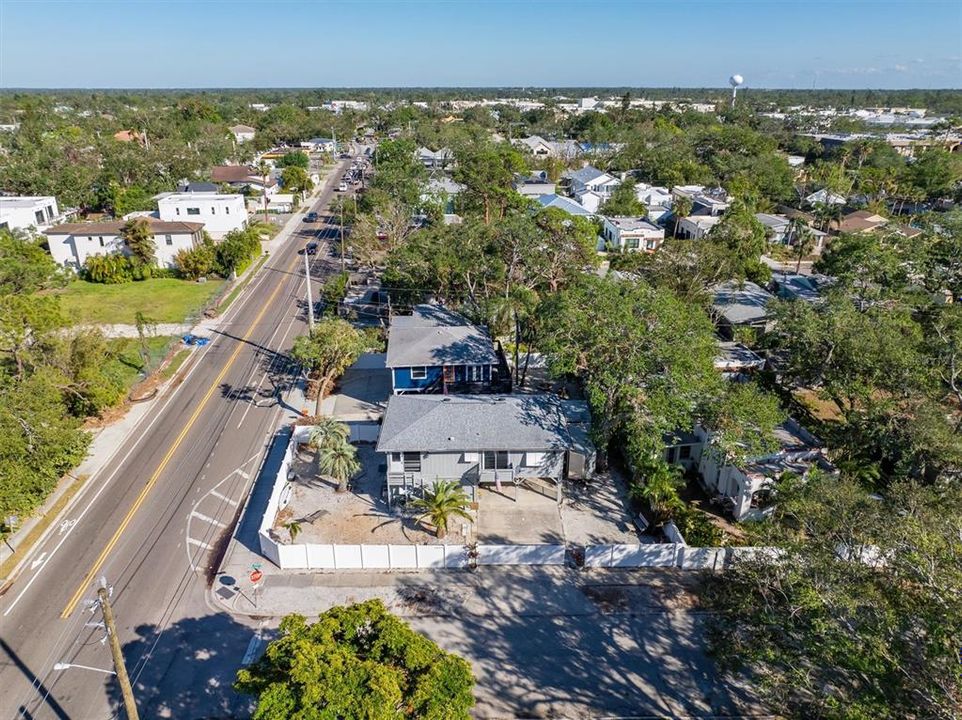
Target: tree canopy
{"points": [[356, 662]]}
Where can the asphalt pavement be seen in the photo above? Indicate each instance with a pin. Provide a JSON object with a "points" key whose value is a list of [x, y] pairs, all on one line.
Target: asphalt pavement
{"points": [[153, 521]]}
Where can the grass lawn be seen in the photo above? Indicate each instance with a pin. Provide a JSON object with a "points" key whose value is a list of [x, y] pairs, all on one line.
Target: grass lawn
{"points": [[162, 300], [129, 360]]}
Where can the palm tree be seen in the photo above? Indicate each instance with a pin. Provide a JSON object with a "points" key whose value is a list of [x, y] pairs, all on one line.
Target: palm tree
{"points": [[265, 170], [446, 499], [681, 207], [660, 488], [327, 432], [803, 242], [339, 461]]}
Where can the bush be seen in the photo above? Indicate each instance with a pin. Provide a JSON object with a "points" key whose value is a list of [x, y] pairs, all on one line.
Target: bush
{"points": [[236, 251], [697, 529], [108, 269], [197, 262]]}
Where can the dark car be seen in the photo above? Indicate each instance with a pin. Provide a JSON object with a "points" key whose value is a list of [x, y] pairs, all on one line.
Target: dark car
{"points": [[310, 217], [311, 248]]}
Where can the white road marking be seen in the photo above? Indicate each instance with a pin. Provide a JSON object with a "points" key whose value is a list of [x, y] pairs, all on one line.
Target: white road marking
{"points": [[253, 647], [106, 482], [200, 543], [224, 498], [38, 561], [211, 520]]}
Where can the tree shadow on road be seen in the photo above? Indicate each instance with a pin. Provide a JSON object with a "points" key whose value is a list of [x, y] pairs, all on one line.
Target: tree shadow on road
{"points": [[186, 670]]}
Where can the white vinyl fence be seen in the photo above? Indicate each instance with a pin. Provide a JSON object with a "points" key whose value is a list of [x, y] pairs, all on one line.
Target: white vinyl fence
{"points": [[521, 554]]}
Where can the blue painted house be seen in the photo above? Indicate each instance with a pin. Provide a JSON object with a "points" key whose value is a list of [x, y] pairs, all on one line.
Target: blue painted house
{"points": [[435, 350]]}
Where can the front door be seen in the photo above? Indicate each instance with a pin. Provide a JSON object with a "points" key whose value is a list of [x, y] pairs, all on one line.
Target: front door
{"points": [[448, 374]]}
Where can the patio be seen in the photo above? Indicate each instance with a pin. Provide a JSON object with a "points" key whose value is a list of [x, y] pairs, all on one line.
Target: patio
{"points": [[359, 516], [517, 515]]}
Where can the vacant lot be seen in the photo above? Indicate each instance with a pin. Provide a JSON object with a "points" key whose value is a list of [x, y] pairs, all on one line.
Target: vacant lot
{"points": [[162, 300]]}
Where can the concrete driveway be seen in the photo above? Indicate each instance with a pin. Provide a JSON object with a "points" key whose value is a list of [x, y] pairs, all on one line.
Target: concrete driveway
{"points": [[362, 392]]}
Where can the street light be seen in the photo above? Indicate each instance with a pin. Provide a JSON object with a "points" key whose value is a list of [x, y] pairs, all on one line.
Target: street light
{"points": [[67, 666]]}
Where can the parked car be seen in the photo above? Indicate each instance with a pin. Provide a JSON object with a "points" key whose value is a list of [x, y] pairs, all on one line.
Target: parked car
{"points": [[311, 248], [342, 187], [310, 217], [197, 340]]}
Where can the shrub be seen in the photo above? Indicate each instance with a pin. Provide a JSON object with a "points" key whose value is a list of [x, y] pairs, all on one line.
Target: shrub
{"points": [[108, 269], [697, 529], [197, 262], [236, 251], [334, 291]]}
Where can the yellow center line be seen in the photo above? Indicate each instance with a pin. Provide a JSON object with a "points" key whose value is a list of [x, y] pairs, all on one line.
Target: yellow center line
{"points": [[167, 458]]}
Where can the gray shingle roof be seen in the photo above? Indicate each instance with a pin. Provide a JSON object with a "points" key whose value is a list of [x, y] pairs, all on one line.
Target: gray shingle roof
{"points": [[470, 423], [741, 303], [433, 335], [566, 204], [586, 174]]}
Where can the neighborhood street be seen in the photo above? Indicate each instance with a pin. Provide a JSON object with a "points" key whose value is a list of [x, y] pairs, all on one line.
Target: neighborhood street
{"points": [[149, 521]]}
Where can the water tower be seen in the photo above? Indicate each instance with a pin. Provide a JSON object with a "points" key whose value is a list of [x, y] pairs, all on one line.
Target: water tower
{"points": [[735, 81]]}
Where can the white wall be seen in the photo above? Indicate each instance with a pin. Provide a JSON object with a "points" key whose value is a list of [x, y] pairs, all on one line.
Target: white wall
{"points": [[219, 213], [72, 250], [20, 213]]}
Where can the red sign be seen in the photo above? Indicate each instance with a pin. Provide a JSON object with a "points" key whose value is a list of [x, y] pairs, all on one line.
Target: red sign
{"points": [[256, 576]]}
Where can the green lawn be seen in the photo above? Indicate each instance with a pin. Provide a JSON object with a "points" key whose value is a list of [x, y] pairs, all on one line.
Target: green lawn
{"points": [[129, 360], [162, 300]]}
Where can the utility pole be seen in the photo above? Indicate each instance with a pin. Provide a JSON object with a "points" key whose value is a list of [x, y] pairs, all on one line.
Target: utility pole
{"points": [[310, 301], [103, 598]]}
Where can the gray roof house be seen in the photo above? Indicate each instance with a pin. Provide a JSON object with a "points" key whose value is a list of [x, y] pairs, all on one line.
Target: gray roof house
{"points": [[436, 350], [740, 305], [484, 439], [566, 204]]}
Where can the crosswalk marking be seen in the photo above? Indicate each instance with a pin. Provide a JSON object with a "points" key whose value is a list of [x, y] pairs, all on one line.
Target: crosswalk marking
{"points": [[211, 520], [223, 497], [200, 543]]}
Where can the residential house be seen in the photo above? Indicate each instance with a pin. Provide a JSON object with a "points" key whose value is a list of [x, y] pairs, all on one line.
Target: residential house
{"points": [[534, 185], [72, 243], [242, 133], [781, 231], [197, 187], [30, 212], [435, 350], [242, 177], [736, 361], [319, 144], [740, 306], [444, 190], [794, 286], [695, 227], [127, 136], [566, 204], [484, 440], [539, 147], [861, 221], [747, 486], [711, 202], [591, 179], [435, 158], [632, 233], [219, 213], [657, 200], [825, 197]]}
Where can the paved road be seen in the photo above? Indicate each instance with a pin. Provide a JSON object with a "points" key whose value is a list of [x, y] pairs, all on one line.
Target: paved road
{"points": [[151, 520]]}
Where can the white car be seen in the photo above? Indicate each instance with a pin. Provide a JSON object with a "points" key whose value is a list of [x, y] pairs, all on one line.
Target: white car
{"points": [[342, 187]]}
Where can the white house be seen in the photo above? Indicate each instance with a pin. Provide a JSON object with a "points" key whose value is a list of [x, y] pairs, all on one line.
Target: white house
{"points": [[72, 243], [590, 200], [539, 147], [695, 227], [319, 145], [705, 201], [779, 230], [633, 233], [563, 203], [592, 179], [219, 213], [825, 197], [29, 212], [747, 485], [242, 133]]}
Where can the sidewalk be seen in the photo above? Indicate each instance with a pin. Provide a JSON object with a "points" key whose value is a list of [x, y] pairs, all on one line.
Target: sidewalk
{"points": [[108, 439]]}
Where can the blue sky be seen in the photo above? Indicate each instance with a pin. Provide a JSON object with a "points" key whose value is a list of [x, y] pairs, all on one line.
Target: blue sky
{"points": [[661, 43]]}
